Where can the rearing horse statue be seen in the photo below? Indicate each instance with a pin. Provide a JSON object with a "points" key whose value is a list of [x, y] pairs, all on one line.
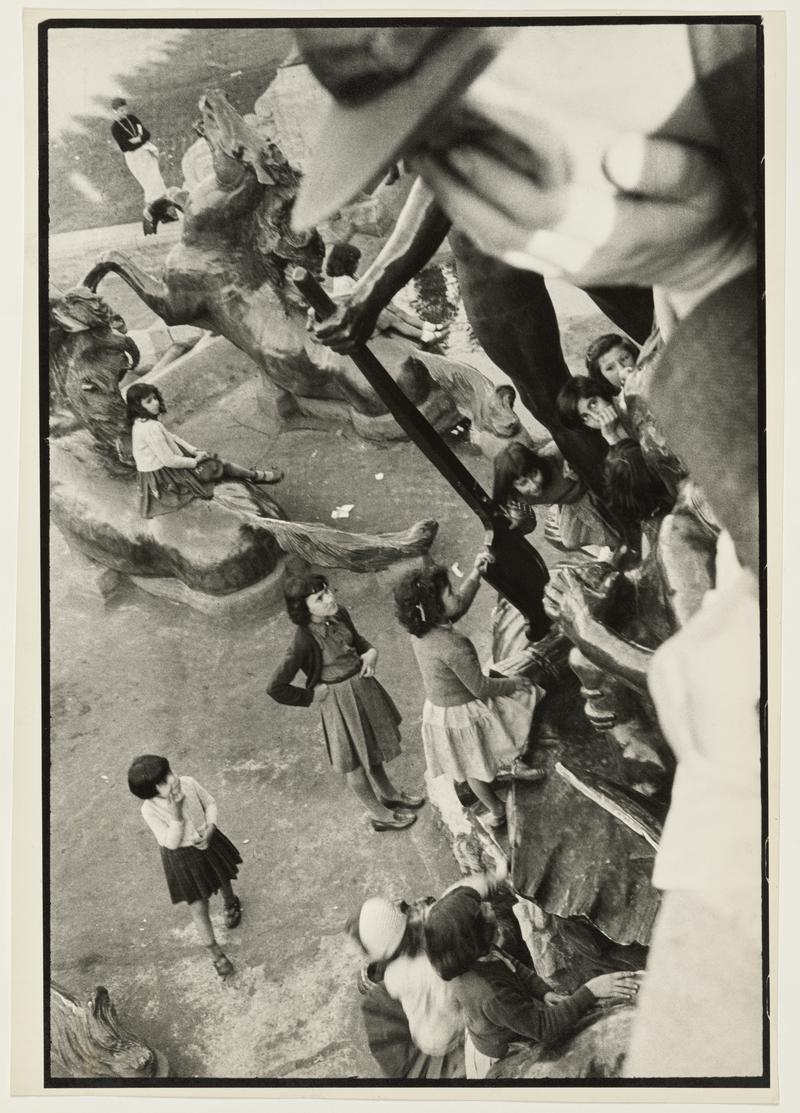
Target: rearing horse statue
{"points": [[230, 272]]}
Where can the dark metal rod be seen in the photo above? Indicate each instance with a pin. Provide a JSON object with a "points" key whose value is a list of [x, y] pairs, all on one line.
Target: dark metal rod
{"points": [[519, 572]]}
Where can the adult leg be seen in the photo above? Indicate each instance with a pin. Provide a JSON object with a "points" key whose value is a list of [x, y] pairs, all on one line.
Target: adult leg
{"points": [[513, 317], [629, 307]]}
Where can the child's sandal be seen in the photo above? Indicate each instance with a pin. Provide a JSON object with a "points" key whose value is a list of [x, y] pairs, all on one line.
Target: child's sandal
{"points": [[232, 913], [223, 966], [272, 475]]}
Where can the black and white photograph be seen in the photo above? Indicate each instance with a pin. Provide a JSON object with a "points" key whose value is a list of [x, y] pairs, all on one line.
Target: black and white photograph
{"points": [[404, 602]]}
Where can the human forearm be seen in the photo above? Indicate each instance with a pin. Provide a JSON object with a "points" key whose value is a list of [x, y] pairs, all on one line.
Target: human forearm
{"points": [[419, 232], [532, 1019], [467, 592]]}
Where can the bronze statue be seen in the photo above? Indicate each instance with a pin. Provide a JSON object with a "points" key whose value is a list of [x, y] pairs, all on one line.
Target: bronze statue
{"points": [[217, 549], [229, 274], [88, 1041], [509, 310], [616, 621]]}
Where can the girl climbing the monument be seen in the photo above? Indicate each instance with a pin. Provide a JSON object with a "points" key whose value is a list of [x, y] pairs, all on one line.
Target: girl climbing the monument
{"points": [[171, 471], [503, 1001], [473, 725], [524, 479], [359, 718], [198, 859]]}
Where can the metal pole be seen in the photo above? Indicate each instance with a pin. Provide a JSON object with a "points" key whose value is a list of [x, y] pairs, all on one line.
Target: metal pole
{"points": [[518, 572]]}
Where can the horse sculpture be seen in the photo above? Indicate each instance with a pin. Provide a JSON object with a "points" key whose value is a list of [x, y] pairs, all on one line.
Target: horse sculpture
{"points": [[214, 549], [230, 272]]}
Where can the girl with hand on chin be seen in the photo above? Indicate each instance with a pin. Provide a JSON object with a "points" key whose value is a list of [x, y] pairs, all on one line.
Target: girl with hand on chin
{"points": [[588, 403], [198, 859], [359, 718]]}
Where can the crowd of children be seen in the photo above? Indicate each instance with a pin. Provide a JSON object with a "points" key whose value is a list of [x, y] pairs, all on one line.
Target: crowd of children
{"points": [[442, 963]]}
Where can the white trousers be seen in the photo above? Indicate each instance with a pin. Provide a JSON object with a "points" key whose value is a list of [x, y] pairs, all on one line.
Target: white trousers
{"points": [[143, 164]]}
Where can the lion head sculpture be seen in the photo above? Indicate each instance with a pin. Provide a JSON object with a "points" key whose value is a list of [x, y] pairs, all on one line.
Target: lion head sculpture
{"points": [[89, 353]]}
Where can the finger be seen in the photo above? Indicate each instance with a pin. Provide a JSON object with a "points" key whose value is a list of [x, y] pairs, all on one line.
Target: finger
{"points": [[489, 229], [522, 199], [664, 169]]}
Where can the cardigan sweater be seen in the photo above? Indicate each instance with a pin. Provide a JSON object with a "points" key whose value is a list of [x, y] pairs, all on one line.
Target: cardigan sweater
{"points": [[155, 447], [199, 809], [451, 671], [502, 1005], [305, 655]]}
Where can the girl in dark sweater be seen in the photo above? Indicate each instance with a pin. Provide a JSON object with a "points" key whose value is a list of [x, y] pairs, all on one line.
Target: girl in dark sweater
{"points": [[359, 719], [503, 1001]]}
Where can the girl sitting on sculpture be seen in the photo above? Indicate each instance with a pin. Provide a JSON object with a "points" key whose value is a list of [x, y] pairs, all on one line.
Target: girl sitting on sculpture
{"points": [[503, 1001], [589, 403], [341, 266], [524, 479], [359, 718], [473, 725], [198, 859], [172, 472]]}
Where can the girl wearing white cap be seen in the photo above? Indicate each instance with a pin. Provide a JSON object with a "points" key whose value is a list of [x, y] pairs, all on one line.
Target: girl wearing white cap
{"points": [[415, 1026]]}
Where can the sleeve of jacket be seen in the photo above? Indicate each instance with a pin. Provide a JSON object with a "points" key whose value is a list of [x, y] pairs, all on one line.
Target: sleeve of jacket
{"points": [[515, 1010], [465, 665], [280, 686], [361, 644]]}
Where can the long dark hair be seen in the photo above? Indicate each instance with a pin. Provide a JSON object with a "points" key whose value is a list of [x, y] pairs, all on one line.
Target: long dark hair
{"points": [[456, 933], [633, 490], [418, 599], [136, 394], [516, 461], [295, 592], [342, 260], [600, 346], [581, 386]]}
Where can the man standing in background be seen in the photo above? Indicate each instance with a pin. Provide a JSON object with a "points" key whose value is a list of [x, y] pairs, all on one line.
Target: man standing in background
{"points": [[133, 139]]}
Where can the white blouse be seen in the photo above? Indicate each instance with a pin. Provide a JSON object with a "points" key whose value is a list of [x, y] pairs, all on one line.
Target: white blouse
{"points": [[155, 447]]}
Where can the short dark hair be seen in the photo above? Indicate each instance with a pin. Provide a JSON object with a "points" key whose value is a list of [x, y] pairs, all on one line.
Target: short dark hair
{"points": [[343, 259], [145, 773], [118, 102], [418, 599], [136, 394], [603, 344], [633, 490], [295, 592], [516, 461], [576, 388], [456, 933]]}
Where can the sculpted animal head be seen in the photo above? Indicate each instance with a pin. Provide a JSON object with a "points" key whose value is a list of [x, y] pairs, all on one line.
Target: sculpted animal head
{"points": [[88, 1041], [248, 161], [489, 407], [494, 411], [89, 353]]}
